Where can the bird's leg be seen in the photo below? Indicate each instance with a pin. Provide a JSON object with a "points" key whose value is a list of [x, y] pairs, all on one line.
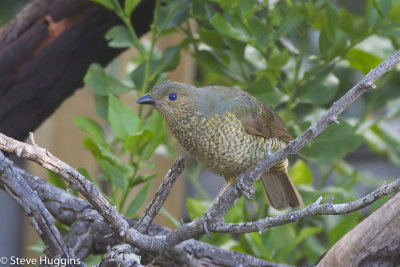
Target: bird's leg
{"points": [[269, 147], [207, 215], [225, 188], [248, 192]]}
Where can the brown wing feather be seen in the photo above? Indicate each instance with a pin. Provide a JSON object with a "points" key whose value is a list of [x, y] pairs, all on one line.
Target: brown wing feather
{"points": [[266, 123]]}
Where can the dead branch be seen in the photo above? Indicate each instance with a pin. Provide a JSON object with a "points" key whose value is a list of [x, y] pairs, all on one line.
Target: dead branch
{"points": [[38, 215]]}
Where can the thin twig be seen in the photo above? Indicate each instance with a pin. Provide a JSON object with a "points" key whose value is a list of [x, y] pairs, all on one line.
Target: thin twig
{"points": [[161, 195], [314, 209]]}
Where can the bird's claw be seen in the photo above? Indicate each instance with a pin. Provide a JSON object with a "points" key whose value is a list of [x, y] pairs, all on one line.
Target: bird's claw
{"points": [[206, 219], [248, 192]]}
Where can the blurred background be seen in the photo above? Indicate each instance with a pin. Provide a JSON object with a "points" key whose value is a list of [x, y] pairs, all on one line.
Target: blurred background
{"points": [[375, 159]]}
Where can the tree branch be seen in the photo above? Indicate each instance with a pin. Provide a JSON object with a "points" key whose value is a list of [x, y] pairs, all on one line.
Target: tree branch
{"points": [[314, 209], [38, 48], [38, 215], [89, 234], [184, 232], [161, 195], [373, 242]]}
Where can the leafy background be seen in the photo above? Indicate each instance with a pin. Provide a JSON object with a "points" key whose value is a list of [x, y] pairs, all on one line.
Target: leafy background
{"points": [[295, 56]]}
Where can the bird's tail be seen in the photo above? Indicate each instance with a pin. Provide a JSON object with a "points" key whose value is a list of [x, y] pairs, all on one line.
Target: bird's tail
{"points": [[280, 190]]}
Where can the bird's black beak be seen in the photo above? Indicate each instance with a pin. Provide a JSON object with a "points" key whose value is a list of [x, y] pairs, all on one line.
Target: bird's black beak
{"points": [[146, 100]]}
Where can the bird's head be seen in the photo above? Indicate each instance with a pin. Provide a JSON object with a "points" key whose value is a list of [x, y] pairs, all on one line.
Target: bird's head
{"points": [[171, 99]]}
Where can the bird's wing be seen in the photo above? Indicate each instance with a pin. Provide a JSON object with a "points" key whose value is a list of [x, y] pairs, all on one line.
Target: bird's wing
{"points": [[261, 120]]}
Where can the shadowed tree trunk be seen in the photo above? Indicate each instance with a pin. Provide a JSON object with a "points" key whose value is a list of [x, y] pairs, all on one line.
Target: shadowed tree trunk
{"points": [[373, 242], [45, 52]]}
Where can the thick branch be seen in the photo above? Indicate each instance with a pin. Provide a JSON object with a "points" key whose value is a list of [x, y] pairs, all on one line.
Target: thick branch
{"points": [[373, 242], [45, 52], [38, 215], [88, 231]]}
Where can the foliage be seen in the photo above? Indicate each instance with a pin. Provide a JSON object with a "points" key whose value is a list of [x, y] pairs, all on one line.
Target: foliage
{"points": [[295, 56]]}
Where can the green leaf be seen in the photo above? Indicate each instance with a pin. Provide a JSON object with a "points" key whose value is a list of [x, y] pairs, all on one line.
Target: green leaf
{"points": [[355, 26], [169, 60], [235, 214], [149, 149], [309, 11], [228, 4], [142, 179], [291, 21], [116, 176], [324, 42], [102, 83], [156, 125], [213, 63], [195, 208], [263, 90], [394, 14], [319, 89], [362, 60], [56, 180], [301, 173], [212, 38], [85, 173], [332, 144], [222, 24], [92, 128], [303, 235], [331, 20], [103, 154], [346, 223], [169, 217], [259, 31], [276, 62], [130, 5], [101, 105], [123, 121], [275, 240], [119, 37], [106, 3], [135, 143], [138, 201], [373, 14], [172, 15], [252, 244]]}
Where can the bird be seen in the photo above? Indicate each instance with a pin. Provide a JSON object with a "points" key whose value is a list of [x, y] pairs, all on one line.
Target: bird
{"points": [[228, 131]]}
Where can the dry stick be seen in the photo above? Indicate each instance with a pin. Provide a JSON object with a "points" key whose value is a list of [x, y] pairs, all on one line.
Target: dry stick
{"points": [[86, 188], [312, 210], [86, 233], [216, 212], [38, 215], [161, 195]]}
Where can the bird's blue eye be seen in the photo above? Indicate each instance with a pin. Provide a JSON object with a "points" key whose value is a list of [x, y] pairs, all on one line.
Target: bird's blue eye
{"points": [[172, 96]]}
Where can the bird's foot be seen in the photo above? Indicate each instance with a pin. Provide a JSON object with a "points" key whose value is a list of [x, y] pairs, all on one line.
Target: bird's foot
{"points": [[247, 191], [207, 218]]}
